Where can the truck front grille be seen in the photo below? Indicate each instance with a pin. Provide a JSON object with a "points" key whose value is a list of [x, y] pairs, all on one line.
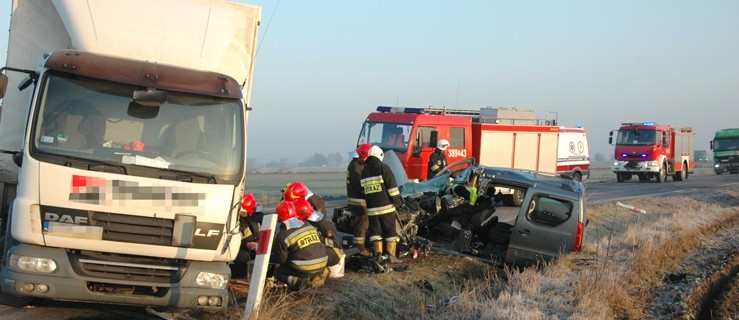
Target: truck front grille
{"points": [[126, 268], [124, 228]]}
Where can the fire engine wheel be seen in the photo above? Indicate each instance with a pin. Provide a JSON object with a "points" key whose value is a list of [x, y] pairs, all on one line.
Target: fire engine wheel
{"points": [[680, 175], [662, 176], [577, 176], [619, 177], [643, 177]]}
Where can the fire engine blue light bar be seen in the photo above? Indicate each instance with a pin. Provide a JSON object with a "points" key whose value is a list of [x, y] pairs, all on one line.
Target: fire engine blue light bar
{"points": [[651, 123], [401, 110]]}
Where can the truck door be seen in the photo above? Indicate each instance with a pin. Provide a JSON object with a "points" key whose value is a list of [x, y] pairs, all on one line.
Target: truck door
{"points": [[545, 227]]}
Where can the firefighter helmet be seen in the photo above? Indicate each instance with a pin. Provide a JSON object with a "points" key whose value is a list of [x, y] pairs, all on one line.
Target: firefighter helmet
{"points": [[442, 145], [295, 190], [249, 204], [363, 151], [286, 211], [377, 152], [303, 208]]}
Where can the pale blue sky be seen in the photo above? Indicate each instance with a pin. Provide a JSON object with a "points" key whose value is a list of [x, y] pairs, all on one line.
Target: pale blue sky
{"points": [[323, 66]]}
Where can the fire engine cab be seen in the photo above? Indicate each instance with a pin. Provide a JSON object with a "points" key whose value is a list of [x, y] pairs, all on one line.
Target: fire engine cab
{"points": [[496, 137]]}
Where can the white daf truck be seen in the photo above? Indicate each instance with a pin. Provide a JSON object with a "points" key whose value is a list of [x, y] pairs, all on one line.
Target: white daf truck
{"points": [[124, 138]]}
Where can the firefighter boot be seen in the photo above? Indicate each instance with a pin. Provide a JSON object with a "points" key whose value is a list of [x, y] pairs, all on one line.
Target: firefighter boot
{"points": [[392, 248], [377, 246], [363, 251], [319, 279]]}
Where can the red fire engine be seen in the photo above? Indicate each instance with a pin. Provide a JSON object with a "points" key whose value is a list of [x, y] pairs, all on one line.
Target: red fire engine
{"points": [[498, 137], [650, 150]]}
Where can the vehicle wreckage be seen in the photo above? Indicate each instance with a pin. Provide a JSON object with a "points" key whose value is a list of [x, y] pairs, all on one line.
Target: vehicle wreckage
{"points": [[438, 215]]}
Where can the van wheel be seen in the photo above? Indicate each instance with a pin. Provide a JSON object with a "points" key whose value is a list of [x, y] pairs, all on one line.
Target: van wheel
{"points": [[662, 176]]}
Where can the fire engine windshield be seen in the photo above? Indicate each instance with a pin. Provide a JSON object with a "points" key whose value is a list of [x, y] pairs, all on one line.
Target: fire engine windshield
{"points": [[95, 125], [388, 136], [636, 137]]}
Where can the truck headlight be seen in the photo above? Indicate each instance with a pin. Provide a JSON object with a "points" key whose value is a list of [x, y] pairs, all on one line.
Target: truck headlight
{"points": [[652, 164], [717, 165], [32, 264], [619, 163], [212, 280]]}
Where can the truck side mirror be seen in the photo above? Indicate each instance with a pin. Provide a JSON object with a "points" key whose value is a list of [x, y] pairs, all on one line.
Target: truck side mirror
{"points": [[3, 84], [417, 146], [711, 144], [433, 139], [610, 137]]}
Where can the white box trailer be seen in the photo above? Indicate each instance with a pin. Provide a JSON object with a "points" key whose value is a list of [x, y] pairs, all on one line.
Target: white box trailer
{"points": [[126, 121]]}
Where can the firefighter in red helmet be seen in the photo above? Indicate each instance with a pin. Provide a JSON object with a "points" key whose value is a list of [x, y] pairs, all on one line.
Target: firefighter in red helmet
{"points": [[250, 217], [298, 249]]}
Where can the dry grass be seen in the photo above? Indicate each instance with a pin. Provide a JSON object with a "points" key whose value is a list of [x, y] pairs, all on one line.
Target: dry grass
{"points": [[626, 256]]}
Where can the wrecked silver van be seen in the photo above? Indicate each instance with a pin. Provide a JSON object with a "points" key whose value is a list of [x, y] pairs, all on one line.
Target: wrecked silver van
{"points": [[551, 220]]}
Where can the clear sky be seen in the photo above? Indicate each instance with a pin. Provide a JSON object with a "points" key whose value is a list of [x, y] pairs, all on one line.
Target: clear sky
{"points": [[322, 66]]}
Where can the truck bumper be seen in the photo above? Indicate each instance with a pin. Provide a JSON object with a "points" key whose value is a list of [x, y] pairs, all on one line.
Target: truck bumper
{"points": [[636, 167], [721, 167], [66, 283]]}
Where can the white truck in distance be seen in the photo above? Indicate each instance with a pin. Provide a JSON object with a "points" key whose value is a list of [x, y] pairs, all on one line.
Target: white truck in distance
{"points": [[128, 135]]}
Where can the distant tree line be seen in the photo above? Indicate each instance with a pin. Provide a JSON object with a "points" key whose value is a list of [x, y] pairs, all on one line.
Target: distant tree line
{"points": [[316, 160]]}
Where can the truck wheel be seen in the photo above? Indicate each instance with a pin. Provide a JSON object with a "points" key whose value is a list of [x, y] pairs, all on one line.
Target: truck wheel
{"points": [[619, 177], [643, 177], [662, 177]]}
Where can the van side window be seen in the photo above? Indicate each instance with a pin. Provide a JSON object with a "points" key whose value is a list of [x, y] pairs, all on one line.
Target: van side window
{"points": [[456, 138], [549, 211]]}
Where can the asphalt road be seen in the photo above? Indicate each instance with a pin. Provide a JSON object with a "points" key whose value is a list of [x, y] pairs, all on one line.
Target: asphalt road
{"points": [[595, 193]]}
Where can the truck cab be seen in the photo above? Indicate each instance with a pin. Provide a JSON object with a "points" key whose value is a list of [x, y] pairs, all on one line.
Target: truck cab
{"points": [[649, 150], [725, 146], [413, 133]]}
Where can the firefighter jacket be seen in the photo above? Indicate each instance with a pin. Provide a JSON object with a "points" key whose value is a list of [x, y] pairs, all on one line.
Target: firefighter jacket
{"points": [[249, 227], [327, 230], [380, 189], [301, 250], [437, 161], [354, 194]]}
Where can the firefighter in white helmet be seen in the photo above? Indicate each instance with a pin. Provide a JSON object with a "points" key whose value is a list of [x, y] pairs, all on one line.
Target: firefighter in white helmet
{"points": [[437, 160], [382, 196]]}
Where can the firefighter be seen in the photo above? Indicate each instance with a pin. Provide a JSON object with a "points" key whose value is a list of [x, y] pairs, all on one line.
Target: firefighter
{"points": [[382, 196], [298, 249], [327, 228], [437, 160], [355, 197], [249, 226]]}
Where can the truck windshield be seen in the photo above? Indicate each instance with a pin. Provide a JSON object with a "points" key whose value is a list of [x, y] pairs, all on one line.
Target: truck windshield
{"points": [[726, 144], [636, 137], [388, 136], [85, 123]]}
